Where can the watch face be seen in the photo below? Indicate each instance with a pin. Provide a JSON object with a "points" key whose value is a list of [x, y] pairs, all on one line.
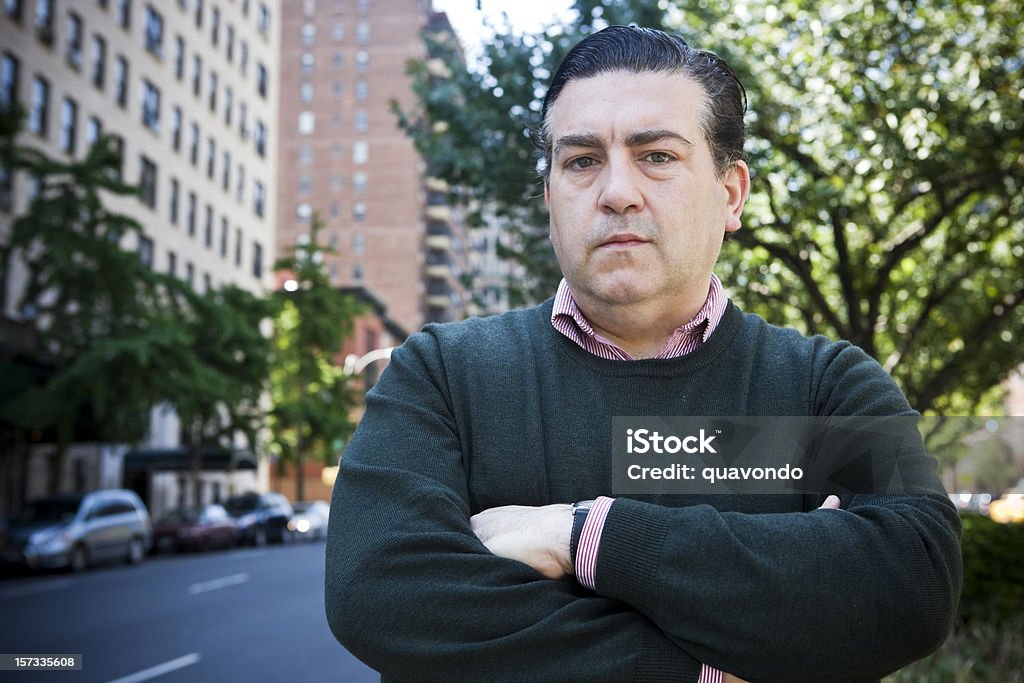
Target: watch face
{"points": [[582, 505]]}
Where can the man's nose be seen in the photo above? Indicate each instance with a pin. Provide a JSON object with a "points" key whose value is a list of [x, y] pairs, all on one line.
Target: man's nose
{"points": [[620, 189]]}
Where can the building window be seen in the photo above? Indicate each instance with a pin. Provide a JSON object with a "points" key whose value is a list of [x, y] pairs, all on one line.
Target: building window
{"points": [[93, 131], [336, 89], [121, 82], [240, 183], [213, 91], [357, 272], [307, 123], [306, 62], [257, 260], [335, 209], [337, 61], [362, 90], [261, 80], [305, 155], [306, 91], [263, 19], [117, 142], [13, 9], [154, 32], [99, 61], [175, 191], [304, 184], [243, 125], [68, 126], [197, 74], [150, 106], [303, 212], [193, 205], [309, 7], [336, 182], [358, 243], [229, 45], [338, 32], [147, 182], [308, 33], [360, 152], [224, 237], [359, 212], [258, 198], [215, 26], [74, 41], [179, 57], [199, 13], [208, 229], [261, 139], [211, 156], [172, 264], [124, 14], [359, 182], [44, 21], [362, 61], [39, 113], [190, 277], [176, 123], [238, 246], [225, 171], [146, 251], [363, 33], [336, 120], [193, 143], [228, 104], [362, 121], [9, 80], [243, 58]]}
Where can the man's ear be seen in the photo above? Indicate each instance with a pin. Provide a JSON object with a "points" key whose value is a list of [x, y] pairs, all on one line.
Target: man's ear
{"points": [[737, 187]]}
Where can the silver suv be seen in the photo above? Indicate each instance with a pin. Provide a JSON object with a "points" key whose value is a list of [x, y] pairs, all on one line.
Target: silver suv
{"points": [[77, 530]]}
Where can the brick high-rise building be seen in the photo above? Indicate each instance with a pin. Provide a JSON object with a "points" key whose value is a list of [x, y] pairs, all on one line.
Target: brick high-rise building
{"points": [[342, 156]]}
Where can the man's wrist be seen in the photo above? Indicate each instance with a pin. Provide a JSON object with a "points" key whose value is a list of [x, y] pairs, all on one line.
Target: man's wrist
{"points": [[579, 518]]}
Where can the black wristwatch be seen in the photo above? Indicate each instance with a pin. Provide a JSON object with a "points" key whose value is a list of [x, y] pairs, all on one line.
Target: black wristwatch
{"points": [[579, 518]]}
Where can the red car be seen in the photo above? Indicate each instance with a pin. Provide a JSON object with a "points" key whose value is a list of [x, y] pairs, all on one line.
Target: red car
{"points": [[203, 528]]}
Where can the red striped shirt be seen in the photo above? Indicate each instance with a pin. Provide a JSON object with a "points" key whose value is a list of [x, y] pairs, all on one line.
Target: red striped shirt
{"points": [[567, 318]]}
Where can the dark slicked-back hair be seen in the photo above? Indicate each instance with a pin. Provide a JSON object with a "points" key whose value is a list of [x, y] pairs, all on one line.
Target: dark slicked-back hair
{"points": [[640, 50]]}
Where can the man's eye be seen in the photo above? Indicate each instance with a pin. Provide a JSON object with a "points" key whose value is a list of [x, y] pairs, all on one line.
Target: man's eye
{"points": [[659, 157], [581, 162]]}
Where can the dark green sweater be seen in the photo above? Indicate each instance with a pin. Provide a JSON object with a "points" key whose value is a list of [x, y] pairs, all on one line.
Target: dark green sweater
{"points": [[505, 410]]}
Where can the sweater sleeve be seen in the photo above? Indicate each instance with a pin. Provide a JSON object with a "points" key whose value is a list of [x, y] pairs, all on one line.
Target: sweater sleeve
{"points": [[841, 595], [412, 592]]}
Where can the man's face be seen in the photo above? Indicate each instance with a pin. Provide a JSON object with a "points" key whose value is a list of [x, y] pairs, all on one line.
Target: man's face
{"points": [[637, 213]]}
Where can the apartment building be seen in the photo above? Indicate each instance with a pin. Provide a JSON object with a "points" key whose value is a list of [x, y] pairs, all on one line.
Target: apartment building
{"points": [[342, 156], [189, 89]]}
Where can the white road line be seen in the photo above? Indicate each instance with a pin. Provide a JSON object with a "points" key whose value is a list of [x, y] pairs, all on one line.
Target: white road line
{"points": [[33, 589], [215, 584], [159, 669]]}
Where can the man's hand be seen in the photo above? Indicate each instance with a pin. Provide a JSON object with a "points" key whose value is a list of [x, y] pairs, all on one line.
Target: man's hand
{"points": [[537, 536], [831, 503]]}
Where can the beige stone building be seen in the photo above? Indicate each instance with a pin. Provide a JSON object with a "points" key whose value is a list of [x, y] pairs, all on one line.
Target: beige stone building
{"points": [[190, 88], [341, 156]]}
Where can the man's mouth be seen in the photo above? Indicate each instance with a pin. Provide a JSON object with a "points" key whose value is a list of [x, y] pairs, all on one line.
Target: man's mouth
{"points": [[623, 240]]}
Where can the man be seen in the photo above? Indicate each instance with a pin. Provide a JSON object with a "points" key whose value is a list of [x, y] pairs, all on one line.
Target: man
{"points": [[455, 553]]}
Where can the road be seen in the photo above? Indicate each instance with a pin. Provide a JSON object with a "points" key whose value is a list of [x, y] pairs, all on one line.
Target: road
{"points": [[252, 615]]}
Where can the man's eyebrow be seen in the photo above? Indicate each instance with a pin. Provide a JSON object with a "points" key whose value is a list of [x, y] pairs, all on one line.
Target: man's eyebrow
{"points": [[577, 140], [646, 137]]}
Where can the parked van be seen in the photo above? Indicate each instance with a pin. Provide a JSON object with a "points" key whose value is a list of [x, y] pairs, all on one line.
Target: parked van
{"points": [[78, 530]]}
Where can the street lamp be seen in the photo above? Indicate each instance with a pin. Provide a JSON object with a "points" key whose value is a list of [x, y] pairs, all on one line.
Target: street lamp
{"points": [[355, 364]]}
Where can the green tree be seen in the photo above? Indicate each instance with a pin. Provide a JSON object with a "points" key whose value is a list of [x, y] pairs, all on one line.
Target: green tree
{"points": [[887, 159], [91, 305], [312, 398], [216, 377]]}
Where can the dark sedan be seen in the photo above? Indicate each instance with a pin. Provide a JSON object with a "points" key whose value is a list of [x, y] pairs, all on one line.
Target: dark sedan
{"points": [[202, 528]]}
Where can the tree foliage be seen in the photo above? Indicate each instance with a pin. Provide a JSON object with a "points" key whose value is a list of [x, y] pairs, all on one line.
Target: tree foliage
{"points": [[312, 398], [887, 158]]}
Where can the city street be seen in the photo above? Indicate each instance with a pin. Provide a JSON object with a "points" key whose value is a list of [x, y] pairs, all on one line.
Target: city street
{"points": [[252, 615]]}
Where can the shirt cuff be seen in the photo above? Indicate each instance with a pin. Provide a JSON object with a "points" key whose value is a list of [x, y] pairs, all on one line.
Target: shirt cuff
{"points": [[709, 675], [590, 541]]}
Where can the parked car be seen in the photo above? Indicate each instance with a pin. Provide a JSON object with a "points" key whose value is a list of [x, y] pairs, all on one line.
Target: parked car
{"points": [[196, 528], [261, 517], [78, 530], [309, 520]]}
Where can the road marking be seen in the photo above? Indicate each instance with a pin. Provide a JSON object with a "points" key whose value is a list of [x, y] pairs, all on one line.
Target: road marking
{"points": [[33, 589], [159, 669], [215, 584]]}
